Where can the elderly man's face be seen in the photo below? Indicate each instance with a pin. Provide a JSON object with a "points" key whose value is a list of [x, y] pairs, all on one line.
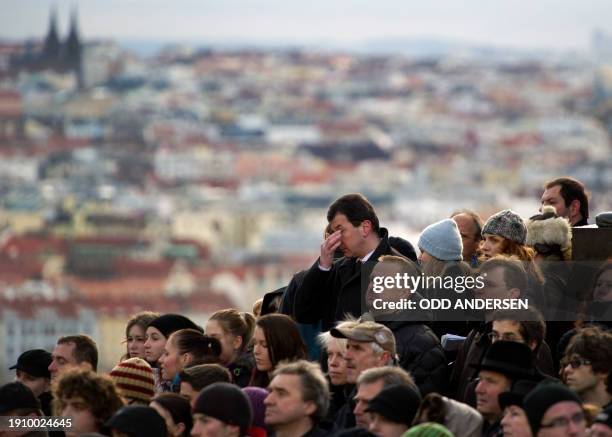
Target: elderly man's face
{"points": [[359, 357], [489, 387]]}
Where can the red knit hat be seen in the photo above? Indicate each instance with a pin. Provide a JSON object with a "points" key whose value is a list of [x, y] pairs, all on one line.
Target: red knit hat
{"points": [[134, 379]]}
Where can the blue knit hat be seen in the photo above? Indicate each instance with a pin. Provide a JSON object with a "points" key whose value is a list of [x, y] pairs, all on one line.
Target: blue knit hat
{"points": [[442, 240]]}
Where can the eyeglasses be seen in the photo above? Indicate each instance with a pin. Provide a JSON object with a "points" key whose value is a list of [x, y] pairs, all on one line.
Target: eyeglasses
{"points": [[563, 422], [577, 362], [494, 336]]}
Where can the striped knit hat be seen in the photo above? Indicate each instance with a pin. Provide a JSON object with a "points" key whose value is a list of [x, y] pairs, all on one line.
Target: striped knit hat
{"points": [[134, 379]]}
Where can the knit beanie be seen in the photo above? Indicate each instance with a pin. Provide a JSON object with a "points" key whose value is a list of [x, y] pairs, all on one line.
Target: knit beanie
{"points": [[507, 224], [14, 396], [396, 403], [138, 421], [134, 379], [442, 240], [169, 323], [256, 397], [542, 398], [428, 429], [226, 402], [178, 406]]}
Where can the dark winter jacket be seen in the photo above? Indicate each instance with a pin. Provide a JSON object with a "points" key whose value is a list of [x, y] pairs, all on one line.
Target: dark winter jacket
{"points": [[559, 300], [330, 295], [473, 351], [344, 417], [308, 331], [242, 369], [492, 430], [338, 398], [288, 304], [421, 354]]}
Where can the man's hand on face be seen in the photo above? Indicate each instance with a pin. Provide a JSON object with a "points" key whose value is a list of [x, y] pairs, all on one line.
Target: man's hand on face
{"points": [[328, 247]]}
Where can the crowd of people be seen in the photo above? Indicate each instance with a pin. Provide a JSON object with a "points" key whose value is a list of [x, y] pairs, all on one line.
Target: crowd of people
{"points": [[320, 358]]}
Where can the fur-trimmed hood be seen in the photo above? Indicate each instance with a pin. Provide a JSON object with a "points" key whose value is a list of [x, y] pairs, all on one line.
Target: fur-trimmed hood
{"points": [[549, 229]]}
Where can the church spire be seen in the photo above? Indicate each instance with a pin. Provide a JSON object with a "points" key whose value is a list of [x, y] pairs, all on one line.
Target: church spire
{"points": [[73, 43], [72, 47], [52, 45]]}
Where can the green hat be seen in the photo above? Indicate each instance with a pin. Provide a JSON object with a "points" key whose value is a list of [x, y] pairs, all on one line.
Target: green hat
{"points": [[428, 429]]}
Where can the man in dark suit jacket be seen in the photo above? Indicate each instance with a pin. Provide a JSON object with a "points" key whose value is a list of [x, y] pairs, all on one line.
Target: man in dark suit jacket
{"points": [[331, 290]]}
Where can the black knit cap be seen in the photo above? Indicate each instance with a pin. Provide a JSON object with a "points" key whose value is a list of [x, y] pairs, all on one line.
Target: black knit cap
{"points": [[178, 406], [14, 396], [169, 323], [396, 403], [542, 398], [138, 421], [225, 402]]}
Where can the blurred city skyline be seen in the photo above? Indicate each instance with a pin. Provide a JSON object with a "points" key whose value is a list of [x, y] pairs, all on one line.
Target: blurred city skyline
{"points": [[566, 25], [192, 171]]}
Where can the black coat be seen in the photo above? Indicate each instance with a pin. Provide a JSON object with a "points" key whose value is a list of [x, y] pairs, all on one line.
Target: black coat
{"points": [[338, 398], [330, 295], [472, 351], [558, 299], [345, 418], [241, 370], [421, 354], [288, 304]]}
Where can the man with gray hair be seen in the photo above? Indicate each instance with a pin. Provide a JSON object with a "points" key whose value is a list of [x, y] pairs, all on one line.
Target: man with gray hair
{"points": [[371, 382], [368, 345], [298, 399]]}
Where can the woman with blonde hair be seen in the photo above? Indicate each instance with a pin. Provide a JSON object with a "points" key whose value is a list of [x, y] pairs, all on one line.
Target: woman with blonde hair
{"points": [[335, 350], [441, 257], [234, 330], [441, 250]]}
